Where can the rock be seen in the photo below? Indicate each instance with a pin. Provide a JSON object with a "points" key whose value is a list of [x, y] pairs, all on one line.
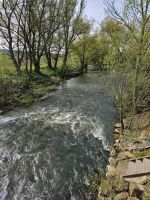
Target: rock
{"points": [[112, 161], [121, 185], [105, 188], [133, 198], [116, 136], [118, 125], [120, 146], [122, 165], [116, 131], [112, 173], [103, 198], [113, 153], [117, 145], [45, 97], [117, 141], [129, 155], [135, 191], [122, 196]]}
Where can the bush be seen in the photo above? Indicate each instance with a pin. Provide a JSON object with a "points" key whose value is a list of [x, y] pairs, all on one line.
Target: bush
{"points": [[11, 88]]}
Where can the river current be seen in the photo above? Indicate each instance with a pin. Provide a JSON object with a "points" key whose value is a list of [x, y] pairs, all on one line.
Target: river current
{"points": [[49, 149]]}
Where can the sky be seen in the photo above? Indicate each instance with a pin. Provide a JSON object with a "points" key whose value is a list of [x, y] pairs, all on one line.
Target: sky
{"points": [[95, 9]]}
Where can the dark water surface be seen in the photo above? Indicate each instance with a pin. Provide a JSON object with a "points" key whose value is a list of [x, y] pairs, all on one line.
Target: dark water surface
{"points": [[48, 150]]}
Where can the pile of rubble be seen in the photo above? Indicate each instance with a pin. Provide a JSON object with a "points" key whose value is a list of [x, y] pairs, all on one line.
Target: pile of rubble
{"points": [[116, 186]]}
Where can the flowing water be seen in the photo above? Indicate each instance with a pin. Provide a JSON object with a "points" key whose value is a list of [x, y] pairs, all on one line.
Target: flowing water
{"points": [[49, 149]]}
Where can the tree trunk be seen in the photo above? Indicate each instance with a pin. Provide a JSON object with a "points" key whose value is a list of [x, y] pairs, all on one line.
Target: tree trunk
{"points": [[55, 64], [121, 120], [86, 68], [26, 61], [17, 66], [49, 60], [37, 66], [31, 66], [134, 97], [56, 60], [82, 65], [65, 61], [121, 108]]}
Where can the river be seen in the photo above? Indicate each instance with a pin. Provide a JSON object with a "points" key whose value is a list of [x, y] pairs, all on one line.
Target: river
{"points": [[49, 149]]}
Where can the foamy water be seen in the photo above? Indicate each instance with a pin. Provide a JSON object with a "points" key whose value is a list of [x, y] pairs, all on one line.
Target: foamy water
{"points": [[48, 150]]}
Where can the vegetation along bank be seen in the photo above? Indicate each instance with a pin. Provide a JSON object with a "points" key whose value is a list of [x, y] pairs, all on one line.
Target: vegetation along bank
{"points": [[126, 35], [43, 42]]}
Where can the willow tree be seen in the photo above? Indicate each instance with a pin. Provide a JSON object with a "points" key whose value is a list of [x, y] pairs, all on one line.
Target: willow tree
{"points": [[135, 17], [116, 40], [84, 46], [72, 13]]}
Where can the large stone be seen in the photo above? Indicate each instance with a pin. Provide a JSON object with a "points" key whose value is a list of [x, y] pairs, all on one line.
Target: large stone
{"points": [[135, 191], [105, 188], [116, 136], [117, 146], [121, 185], [122, 196], [45, 97], [117, 141], [103, 198], [112, 172], [117, 131], [113, 153], [118, 125], [112, 161]]}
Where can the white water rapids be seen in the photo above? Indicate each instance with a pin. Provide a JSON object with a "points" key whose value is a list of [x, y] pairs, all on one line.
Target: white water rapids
{"points": [[49, 149]]}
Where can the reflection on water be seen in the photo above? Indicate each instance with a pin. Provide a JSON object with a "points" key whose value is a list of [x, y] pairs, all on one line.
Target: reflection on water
{"points": [[48, 150]]}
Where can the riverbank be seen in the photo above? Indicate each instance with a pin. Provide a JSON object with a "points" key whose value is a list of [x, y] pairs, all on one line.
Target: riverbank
{"points": [[55, 141], [22, 91], [125, 178]]}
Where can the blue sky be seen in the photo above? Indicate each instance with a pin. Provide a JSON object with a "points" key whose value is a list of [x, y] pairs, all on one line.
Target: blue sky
{"points": [[95, 9]]}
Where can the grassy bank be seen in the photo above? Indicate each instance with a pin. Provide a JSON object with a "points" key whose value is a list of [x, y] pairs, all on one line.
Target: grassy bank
{"points": [[23, 90], [19, 91]]}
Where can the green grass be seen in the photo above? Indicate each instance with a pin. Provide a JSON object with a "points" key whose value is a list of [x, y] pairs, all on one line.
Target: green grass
{"points": [[147, 197], [16, 90], [141, 154], [7, 67], [146, 182], [130, 137], [39, 87], [148, 117], [26, 99], [105, 185]]}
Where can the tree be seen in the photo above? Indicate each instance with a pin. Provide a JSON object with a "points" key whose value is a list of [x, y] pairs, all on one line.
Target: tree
{"points": [[58, 45], [85, 45], [72, 28], [53, 25], [10, 14], [37, 13], [116, 40], [135, 18]]}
